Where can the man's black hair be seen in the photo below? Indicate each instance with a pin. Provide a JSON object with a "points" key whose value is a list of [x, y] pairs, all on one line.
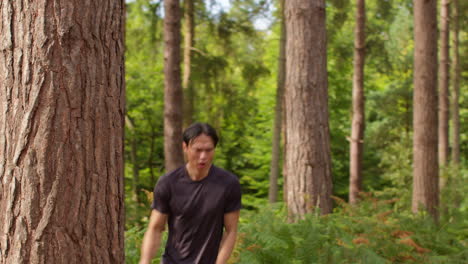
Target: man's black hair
{"points": [[196, 129]]}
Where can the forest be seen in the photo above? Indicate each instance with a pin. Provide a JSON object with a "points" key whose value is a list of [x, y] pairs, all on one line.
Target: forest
{"points": [[345, 122], [232, 82]]}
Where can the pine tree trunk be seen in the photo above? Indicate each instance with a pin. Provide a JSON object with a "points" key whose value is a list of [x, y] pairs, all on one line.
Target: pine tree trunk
{"points": [[358, 123], [276, 144], [456, 86], [425, 158], [308, 161], [172, 87], [188, 44], [444, 83], [62, 109]]}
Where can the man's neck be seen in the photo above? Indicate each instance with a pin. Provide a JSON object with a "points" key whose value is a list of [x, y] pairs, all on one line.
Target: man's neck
{"points": [[197, 175]]}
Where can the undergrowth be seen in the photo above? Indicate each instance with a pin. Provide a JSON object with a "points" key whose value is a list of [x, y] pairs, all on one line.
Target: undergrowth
{"points": [[381, 229], [369, 233]]}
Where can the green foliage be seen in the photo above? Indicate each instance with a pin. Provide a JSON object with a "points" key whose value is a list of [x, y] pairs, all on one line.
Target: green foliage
{"points": [[378, 230], [144, 106], [234, 77], [373, 232], [133, 240]]}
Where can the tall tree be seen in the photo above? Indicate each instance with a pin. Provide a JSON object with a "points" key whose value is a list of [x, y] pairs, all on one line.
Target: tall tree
{"points": [[425, 159], [61, 132], [189, 28], [172, 87], [276, 144], [308, 161], [456, 86], [357, 130], [444, 65]]}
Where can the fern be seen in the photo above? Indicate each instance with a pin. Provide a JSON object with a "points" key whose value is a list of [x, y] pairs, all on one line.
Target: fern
{"points": [[373, 232]]}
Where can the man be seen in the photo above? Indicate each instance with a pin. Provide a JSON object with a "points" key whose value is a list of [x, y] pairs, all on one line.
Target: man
{"points": [[198, 201]]}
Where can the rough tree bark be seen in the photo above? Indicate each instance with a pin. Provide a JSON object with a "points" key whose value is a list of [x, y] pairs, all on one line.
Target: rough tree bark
{"points": [[62, 93], [358, 123], [189, 36], [425, 158], [456, 86], [308, 160], [444, 65], [173, 115], [276, 144]]}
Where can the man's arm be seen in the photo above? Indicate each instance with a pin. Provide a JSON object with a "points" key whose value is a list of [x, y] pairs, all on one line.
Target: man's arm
{"points": [[229, 238], [152, 238]]}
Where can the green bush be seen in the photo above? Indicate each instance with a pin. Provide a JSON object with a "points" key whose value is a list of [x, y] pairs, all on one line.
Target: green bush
{"points": [[133, 240], [381, 229], [372, 232]]}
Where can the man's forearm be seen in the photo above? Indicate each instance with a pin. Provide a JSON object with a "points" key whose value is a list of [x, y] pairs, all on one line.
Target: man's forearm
{"points": [[227, 246], [150, 245]]}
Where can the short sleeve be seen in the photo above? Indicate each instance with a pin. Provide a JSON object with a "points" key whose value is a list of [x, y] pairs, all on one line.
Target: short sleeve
{"points": [[233, 198], [161, 197]]}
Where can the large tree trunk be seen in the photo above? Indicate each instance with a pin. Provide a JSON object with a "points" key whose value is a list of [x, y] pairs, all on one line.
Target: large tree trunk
{"points": [[188, 44], [357, 130], [456, 87], [276, 144], [62, 107], [444, 83], [172, 87], [308, 161], [425, 159]]}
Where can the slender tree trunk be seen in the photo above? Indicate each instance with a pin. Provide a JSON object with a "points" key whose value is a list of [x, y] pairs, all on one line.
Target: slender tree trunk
{"points": [[408, 114], [357, 131], [62, 108], [425, 158], [133, 158], [308, 161], [444, 83], [172, 87], [188, 44], [456, 86], [151, 155], [154, 26], [276, 144], [136, 170]]}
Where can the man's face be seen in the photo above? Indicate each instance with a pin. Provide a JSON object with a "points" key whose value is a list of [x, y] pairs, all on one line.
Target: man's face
{"points": [[200, 152]]}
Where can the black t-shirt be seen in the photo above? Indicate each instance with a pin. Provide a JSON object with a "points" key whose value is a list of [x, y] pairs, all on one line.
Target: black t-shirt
{"points": [[195, 212]]}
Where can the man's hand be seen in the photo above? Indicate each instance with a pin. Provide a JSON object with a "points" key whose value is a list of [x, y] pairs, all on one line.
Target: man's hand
{"points": [[152, 238]]}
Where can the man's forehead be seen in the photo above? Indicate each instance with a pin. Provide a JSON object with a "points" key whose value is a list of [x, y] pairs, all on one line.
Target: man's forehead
{"points": [[202, 140]]}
